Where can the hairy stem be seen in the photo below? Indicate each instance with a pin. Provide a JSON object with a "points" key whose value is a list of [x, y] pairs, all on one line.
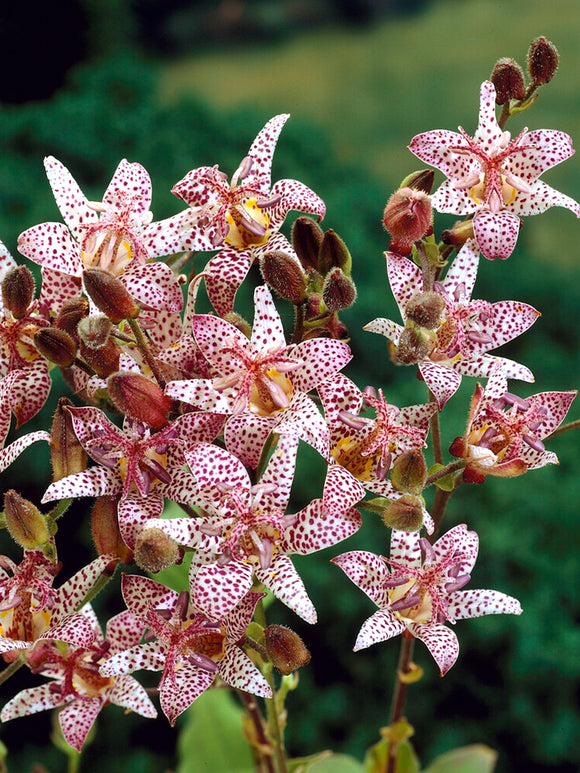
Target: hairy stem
{"points": [[143, 347], [262, 757], [564, 428], [11, 669], [399, 695]]}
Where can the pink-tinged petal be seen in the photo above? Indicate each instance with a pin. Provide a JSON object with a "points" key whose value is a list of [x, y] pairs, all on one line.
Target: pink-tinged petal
{"points": [[463, 270], [179, 692], [56, 289], [465, 604], [322, 358], [224, 273], [496, 233], [262, 151], [379, 627], [441, 642], [184, 531], [405, 279], [141, 594], [216, 590], [70, 200], [31, 701], [72, 595], [124, 631], [77, 718], [368, 571], [485, 364], [134, 511], [461, 542], [295, 196], [13, 451], [237, 670], [246, 433], [510, 319], [129, 694], [435, 148], [442, 380], [6, 644], [339, 393], [182, 487], [557, 405], [541, 198], [406, 548], [544, 148], [31, 390], [195, 187], [303, 420], [155, 286], [280, 471], [150, 656], [286, 584], [488, 130], [75, 630], [94, 482], [169, 236], [385, 327], [448, 198], [214, 335], [315, 530], [267, 331], [211, 465], [130, 182], [201, 393], [237, 621], [51, 246], [7, 262], [341, 490]]}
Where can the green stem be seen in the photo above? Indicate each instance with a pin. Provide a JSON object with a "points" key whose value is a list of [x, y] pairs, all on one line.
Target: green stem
{"points": [[263, 759], [564, 428], [399, 695], [298, 323], [143, 347], [11, 669], [435, 432], [447, 470], [438, 510]]}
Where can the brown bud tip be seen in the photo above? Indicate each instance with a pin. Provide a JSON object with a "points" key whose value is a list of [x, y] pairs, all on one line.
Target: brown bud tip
{"points": [[18, 290], [105, 529], [420, 181], [459, 234], [425, 309], [110, 295], [458, 447], [139, 397], [285, 649], [409, 472], [284, 275], [542, 60], [338, 291], [407, 217], [104, 360], [24, 521], [66, 453], [94, 331], [415, 345], [56, 345], [333, 253], [406, 514], [306, 240], [238, 321], [155, 551], [508, 79], [70, 314]]}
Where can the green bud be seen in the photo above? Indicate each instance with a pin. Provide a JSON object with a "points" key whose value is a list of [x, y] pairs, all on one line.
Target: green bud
{"points": [[333, 253], [155, 551], [424, 309], [24, 521], [409, 472], [406, 514]]}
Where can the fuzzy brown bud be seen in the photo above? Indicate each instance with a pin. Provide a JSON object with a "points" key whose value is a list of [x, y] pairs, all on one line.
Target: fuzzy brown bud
{"points": [[409, 472], [306, 240], [285, 649], [415, 345], [425, 309], [284, 275], [407, 217], [421, 180], [238, 321], [155, 551], [104, 360], [508, 79], [542, 61], [24, 521], [18, 291], [110, 295], [70, 314], [56, 346], [338, 291], [333, 253], [406, 514], [105, 529], [137, 396], [94, 331], [66, 453]]}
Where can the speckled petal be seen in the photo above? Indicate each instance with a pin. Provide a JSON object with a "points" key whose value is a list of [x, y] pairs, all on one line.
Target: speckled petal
{"points": [[224, 273], [154, 286], [442, 380], [262, 151], [179, 693], [130, 181], [246, 433], [77, 718], [31, 701], [441, 642], [435, 147], [465, 604], [462, 542], [496, 233], [379, 627], [267, 330], [51, 246], [295, 196], [169, 236], [405, 547], [129, 694], [70, 200], [123, 631], [7, 262], [302, 418], [280, 471], [463, 270], [150, 656], [322, 358], [70, 596], [13, 451], [315, 530], [541, 198], [141, 594], [216, 590], [385, 327], [405, 279], [93, 482], [286, 584], [211, 465], [368, 571], [237, 670]]}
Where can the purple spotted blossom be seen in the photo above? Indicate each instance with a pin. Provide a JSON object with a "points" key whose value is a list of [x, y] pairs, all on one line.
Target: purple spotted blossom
{"points": [[10, 401], [468, 329], [187, 644], [419, 589], [76, 687], [494, 176], [246, 533], [242, 217]]}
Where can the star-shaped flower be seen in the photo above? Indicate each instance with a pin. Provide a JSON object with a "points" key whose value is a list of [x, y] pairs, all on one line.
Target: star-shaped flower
{"points": [[495, 176], [467, 329], [418, 590]]}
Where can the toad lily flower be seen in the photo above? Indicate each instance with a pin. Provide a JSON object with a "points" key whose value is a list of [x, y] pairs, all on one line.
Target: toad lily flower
{"points": [[10, 400], [418, 590], [242, 216], [459, 341], [495, 176], [189, 646], [505, 432]]}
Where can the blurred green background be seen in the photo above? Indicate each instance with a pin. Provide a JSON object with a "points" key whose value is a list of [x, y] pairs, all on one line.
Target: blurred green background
{"points": [[177, 84]]}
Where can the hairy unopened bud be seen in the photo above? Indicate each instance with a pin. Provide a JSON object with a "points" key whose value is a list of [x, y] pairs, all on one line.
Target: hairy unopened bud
{"points": [[238, 321], [425, 309], [66, 453], [24, 521], [409, 472], [110, 295], [284, 275], [94, 331], [70, 314], [137, 396], [415, 345], [105, 529], [155, 551], [338, 291], [333, 253], [508, 79], [407, 217], [104, 360], [285, 649], [542, 60], [459, 234], [56, 346], [420, 181], [18, 290], [406, 514], [306, 240]]}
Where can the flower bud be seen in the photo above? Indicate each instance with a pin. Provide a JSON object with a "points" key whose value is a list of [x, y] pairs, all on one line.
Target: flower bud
{"points": [[94, 331], [137, 396], [66, 453], [406, 514], [333, 253], [508, 79], [155, 551], [338, 291], [409, 472], [110, 295], [104, 360], [306, 240], [18, 291], [420, 181], [284, 275], [285, 649], [105, 529], [56, 346], [415, 345], [24, 521], [70, 314], [407, 217], [542, 61], [238, 321], [425, 309], [459, 234]]}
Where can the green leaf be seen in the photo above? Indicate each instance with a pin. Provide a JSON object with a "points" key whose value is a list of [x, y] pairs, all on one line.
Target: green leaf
{"points": [[176, 576], [477, 758], [212, 718], [376, 758], [446, 483], [335, 763]]}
